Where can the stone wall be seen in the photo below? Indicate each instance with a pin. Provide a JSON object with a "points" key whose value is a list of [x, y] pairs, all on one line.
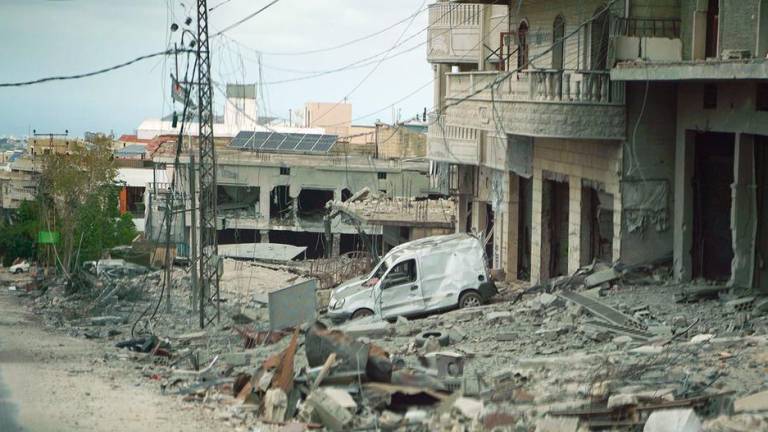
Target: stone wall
{"points": [[577, 160], [648, 168]]}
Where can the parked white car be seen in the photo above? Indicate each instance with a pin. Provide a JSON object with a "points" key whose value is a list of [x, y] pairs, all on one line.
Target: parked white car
{"points": [[21, 267], [418, 277]]}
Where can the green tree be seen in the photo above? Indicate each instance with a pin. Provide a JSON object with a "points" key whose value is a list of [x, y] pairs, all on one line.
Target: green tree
{"points": [[18, 233], [80, 201]]}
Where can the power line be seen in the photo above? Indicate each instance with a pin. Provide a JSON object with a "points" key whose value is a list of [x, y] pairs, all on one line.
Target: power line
{"points": [[94, 73], [248, 17], [348, 43]]}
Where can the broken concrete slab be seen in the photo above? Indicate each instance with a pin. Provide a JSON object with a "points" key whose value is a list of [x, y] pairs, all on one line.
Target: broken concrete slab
{"points": [[372, 327], [468, 407], [601, 277], [330, 413], [673, 420], [557, 424], [341, 397], [752, 403]]}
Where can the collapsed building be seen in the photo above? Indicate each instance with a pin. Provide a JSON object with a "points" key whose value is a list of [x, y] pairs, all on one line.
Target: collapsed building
{"points": [[274, 187], [567, 131]]}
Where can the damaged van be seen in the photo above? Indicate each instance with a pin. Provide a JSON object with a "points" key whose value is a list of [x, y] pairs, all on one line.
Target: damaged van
{"points": [[416, 278]]}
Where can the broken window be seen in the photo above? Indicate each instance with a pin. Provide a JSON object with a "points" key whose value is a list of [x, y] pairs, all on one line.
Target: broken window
{"points": [[311, 203], [285, 171], [402, 273], [238, 201], [280, 204], [382, 176]]}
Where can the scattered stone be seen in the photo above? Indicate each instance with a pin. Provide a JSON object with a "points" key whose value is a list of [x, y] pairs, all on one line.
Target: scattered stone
{"points": [[619, 400], [557, 424], [600, 277], [621, 341], [752, 403], [329, 412], [470, 408], [673, 420], [702, 338]]}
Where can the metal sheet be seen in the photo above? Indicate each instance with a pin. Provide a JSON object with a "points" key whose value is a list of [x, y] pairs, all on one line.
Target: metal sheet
{"points": [[261, 251], [293, 306]]}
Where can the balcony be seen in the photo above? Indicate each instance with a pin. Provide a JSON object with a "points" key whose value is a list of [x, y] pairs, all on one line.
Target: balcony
{"points": [[456, 31], [646, 39], [540, 103]]}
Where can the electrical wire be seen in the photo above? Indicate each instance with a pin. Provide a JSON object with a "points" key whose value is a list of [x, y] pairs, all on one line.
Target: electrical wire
{"points": [[348, 43], [94, 73], [248, 17]]}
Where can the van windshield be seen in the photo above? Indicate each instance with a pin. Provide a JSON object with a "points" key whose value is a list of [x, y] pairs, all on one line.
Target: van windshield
{"points": [[377, 274]]}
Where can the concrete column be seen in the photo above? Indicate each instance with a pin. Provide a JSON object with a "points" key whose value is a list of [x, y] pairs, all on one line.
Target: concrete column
{"points": [[743, 213], [484, 22], [683, 214], [264, 236], [536, 231], [479, 217], [440, 86], [462, 203], [336, 249], [264, 192], [574, 223], [511, 236]]}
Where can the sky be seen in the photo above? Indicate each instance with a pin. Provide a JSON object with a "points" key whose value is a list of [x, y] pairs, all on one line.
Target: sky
{"points": [[40, 38]]}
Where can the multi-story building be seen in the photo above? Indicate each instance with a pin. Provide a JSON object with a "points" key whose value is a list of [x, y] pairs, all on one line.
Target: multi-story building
{"points": [[707, 115], [555, 162], [274, 187]]}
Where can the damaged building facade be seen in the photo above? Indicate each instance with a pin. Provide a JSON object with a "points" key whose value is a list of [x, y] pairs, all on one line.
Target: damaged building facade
{"points": [[268, 193], [565, 134], [712, 89]]}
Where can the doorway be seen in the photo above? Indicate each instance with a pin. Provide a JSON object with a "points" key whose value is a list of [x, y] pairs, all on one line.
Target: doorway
{"points": [[712, 251], [761, 242], [524, 220], [554, 225], [522, 46], [596, 226], [599, 40]]}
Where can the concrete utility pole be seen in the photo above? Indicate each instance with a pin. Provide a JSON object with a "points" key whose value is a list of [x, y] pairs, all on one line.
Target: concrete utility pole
{"points": [[209, 254]]}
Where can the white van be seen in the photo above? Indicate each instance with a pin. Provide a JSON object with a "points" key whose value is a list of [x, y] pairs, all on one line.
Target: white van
{"points": [[426, 275]]}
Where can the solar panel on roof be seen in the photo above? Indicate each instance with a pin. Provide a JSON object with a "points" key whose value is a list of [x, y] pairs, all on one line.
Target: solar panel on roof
{"points": [[283, 142]]}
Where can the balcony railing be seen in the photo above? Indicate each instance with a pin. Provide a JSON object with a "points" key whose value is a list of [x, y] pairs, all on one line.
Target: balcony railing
{"points": [[455, 15], [646, 27], [538, 86]]}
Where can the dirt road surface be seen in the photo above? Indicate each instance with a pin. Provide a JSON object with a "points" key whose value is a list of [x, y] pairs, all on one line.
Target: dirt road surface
{"points": [[51, 382]]}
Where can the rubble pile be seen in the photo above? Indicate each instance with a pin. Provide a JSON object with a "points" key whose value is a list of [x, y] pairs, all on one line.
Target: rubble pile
{"points": [[609, 349]]}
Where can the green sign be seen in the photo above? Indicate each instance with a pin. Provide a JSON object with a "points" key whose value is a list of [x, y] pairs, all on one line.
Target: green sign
{"points": [[48, 237]]}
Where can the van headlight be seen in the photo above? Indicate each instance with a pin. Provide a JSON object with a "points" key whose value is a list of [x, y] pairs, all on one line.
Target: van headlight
{"points": [[336, 303]]}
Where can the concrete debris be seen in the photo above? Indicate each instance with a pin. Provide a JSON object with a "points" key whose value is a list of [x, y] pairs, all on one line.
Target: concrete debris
{"points": [[752, 403], [328, 411], [618, 357], [601, 277], [469, 408], [557, 424], [674, 420]]}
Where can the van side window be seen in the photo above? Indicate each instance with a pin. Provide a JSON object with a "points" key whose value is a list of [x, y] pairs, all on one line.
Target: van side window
{"points": [[404, 272]]}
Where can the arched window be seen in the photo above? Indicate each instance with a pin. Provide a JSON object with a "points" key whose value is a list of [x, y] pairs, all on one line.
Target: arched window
{"points": [[558, 47], [522, 45], [599, 44]]}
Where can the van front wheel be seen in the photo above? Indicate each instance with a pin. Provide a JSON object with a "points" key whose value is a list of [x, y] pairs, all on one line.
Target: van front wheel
{"points": [[470, 299], [362, 313]]}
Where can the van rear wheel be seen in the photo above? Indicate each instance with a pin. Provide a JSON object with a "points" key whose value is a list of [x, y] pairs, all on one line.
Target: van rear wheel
{"points": [[362, 313], [470, 299]]}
